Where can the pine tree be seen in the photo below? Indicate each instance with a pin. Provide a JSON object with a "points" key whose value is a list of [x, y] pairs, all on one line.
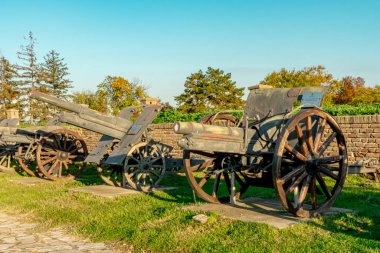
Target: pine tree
{"points": [[8, 86], [54, 75], [29, 78]]}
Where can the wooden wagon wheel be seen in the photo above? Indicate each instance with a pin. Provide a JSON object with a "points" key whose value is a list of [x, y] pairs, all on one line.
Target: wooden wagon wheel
{"points": [[6, 157], [211, 178], [220, 119], [310, 163], [26, 158], [111, 174], [144, 166], [61, 154]]}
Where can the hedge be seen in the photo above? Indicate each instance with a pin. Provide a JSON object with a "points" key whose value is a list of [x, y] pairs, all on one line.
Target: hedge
{"points": [[335, 110]]}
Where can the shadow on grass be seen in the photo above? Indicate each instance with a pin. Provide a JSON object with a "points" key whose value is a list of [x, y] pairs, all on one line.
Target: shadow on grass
{"points": [[363, 197], [359, 194]]}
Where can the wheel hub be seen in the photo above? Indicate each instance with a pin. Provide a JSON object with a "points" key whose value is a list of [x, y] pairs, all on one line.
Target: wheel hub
{"points": [[63, 156], [312, 167]]}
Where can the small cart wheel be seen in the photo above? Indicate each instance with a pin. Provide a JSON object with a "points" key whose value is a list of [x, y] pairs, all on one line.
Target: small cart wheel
{"points": [[310, 163], [144, 167], [26, 158], [220, 119], [61, 154], [210, 175], [6, 157], [111, 174]]}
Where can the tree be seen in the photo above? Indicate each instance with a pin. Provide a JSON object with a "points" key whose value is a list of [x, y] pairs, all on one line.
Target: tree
{"points": [[119, 93], [8, 85], [352, 90], [166, 107], [29, 78], [55, 75], [91, 99], [312, 76], [210, 90]]}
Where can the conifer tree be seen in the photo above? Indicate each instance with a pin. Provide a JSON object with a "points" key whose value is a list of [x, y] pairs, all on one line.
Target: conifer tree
{"points": [[55, 75], [29, 78], [9, 89]]}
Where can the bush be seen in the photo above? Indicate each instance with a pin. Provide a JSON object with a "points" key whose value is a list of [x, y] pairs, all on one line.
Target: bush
{"points": [[175, 115], [360, 109], [335, 110]]}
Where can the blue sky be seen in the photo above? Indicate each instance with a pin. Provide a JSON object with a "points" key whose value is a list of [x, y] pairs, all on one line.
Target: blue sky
{"points": [[162, 42]]}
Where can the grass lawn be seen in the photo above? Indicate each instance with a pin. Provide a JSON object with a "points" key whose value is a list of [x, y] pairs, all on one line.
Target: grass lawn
{"points": [[157, 223]]}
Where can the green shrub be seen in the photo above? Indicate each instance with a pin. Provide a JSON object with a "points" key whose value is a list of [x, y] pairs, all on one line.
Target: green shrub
{"points": [[360, 109], [335, 110]]}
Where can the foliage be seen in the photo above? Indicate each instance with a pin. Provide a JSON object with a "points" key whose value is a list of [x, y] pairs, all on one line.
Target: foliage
{"points": [[119, 93], [335, 110], [91, 99], [29, 73], [166, 107], [210, 90], [311, 76], [352, 90], [176, 115], [359, 109], [8, 86], [348, 90], [55, 75]]}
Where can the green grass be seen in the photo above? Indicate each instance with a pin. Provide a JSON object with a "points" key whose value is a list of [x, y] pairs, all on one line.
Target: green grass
{"points": [[157, 223]]}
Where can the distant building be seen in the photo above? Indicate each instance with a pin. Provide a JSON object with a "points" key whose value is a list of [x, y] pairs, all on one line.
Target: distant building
{"points": [[12, 114], [150, 101]]}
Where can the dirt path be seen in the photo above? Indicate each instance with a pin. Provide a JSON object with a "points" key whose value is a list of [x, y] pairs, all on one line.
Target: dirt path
{"points": [[16, 236]]}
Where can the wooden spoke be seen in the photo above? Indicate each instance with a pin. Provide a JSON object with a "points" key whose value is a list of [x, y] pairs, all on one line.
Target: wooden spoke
{"points": [[49, 160], [75, 150], [327, 172], [301, 140], [323, 185], [294, 152], [292, 174], [309, 135], [304, 189], [204, 165], [204, 179], [296, 182], [313, 197], [327, 143], [330, 160], [318, 137]]}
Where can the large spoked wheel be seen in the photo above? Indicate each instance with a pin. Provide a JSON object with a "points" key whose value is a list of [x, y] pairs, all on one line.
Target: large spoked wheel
{"points": [[220, 119], [144, 167], [111, 174], [210, 175], [61, 154], [26, 158], [310, 163]]}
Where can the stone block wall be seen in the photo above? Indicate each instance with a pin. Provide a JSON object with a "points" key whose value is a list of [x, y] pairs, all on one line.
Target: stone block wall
{"points": [[362, 136]]}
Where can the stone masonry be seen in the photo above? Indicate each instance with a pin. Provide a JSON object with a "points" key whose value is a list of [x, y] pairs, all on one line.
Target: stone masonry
{"points": [[362, 136]]}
